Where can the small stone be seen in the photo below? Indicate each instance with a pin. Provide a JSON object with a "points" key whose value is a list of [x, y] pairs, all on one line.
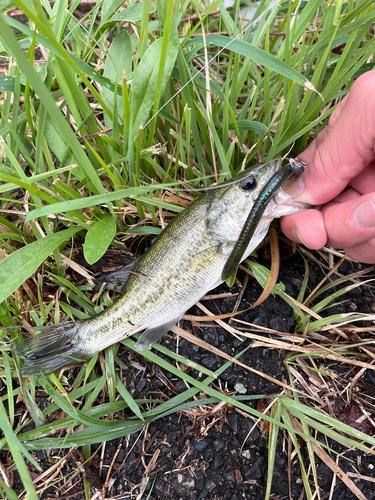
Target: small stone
{"points": [[277, 324], [199, 480], [351, 306], [229, 476], [211, 336], [233, 421], [203, 495], [160, 486], [355, 292], [246, 454], [218, 444], [344, 266], [210, 486], [209, 361], [189, 483], [141, 384], [240, 388], [200, 445], [180, 385], [364, 308]]}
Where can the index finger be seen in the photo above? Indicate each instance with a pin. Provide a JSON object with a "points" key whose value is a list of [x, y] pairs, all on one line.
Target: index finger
{"points": [[346, 149]]}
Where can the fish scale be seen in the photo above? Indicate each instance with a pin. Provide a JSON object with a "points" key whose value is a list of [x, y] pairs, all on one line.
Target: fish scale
{"points": [[183, 264]]}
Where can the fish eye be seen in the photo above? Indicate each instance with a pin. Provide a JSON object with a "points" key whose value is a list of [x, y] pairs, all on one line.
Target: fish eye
{"points": [[249, 184]]}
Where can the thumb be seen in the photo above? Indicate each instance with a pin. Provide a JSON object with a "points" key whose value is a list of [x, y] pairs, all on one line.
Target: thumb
{"points": [[346, 149]]}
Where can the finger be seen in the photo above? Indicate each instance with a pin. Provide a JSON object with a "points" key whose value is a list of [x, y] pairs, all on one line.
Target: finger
{"points": [[365, 252], [351, 222], [336, 112], [365, 181], [346, 150], [306, 227], [348, 195], [309, 152]]}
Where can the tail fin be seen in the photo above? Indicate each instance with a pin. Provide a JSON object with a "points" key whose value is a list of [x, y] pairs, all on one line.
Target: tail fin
{"points": [[50, 351]]}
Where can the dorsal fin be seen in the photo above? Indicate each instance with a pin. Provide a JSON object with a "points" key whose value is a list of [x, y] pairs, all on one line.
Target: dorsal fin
{"points": [[116, 280]]}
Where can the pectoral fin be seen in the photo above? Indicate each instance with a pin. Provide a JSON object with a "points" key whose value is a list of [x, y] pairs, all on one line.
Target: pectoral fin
{"points": [[152, 335]]}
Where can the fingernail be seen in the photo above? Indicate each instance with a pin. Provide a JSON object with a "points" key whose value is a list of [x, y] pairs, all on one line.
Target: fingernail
{"points": [[297, 235], [364, 215], [295, 187]]}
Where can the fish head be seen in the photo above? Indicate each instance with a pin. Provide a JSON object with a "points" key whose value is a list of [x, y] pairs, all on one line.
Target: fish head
{"points": [[230, 205]]}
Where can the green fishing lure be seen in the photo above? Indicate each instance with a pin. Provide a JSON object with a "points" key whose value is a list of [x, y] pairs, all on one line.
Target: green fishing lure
{"points": [[292, 169]]}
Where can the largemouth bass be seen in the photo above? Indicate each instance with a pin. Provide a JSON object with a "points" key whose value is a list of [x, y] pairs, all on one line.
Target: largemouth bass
{"points": [[185, 261]]}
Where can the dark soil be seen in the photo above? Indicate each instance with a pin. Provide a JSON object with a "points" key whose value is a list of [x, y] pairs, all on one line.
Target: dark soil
{"points": [[210, 454]]}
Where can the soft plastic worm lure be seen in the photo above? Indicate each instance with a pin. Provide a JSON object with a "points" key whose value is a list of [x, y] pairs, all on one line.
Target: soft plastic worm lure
{"points": [[292, 169]]}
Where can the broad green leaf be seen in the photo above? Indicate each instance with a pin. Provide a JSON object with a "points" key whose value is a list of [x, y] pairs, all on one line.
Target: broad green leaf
{"points": [[7, 84], [5, 317], [144, 85], [232, 278], [98, 238], [256, 127], [22, 263], [131, 14], [57, 144], [145, 230], [261, 274], [119, 58]]}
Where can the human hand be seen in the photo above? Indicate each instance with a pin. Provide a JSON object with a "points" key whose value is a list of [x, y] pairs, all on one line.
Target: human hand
{"points": [[340, 179]]}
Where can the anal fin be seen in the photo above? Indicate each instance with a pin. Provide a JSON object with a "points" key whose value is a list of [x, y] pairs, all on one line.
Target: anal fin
{"points": [[153, 334]]}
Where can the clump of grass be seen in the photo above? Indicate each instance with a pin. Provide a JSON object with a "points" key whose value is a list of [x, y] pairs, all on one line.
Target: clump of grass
{"points": [[85, 104]]}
